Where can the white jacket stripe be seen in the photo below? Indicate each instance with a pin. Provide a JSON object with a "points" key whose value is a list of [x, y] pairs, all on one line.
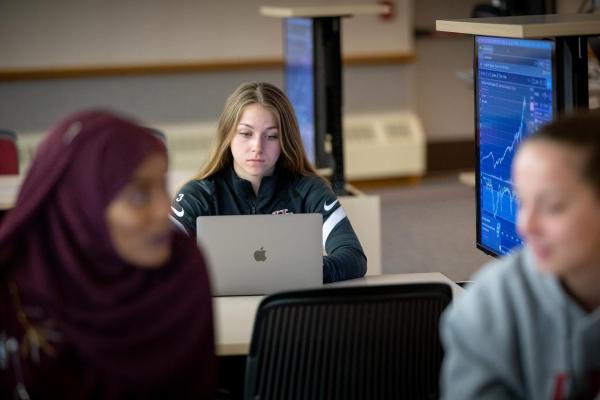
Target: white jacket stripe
{"points": [[331, 222]]}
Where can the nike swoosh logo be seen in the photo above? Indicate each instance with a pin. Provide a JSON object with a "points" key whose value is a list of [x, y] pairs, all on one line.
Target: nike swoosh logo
{"points": [[328, 207], [178, 213]]}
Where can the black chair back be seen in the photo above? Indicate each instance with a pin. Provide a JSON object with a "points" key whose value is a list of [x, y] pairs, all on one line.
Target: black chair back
{"points": [[359, 342]]}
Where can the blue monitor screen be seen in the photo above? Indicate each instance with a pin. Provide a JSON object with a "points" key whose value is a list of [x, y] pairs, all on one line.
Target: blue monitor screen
{"points": [[514, 97], [299, 78]]}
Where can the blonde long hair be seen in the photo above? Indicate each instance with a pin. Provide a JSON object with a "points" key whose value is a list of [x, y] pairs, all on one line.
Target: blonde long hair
{"points": [[292, 158]]}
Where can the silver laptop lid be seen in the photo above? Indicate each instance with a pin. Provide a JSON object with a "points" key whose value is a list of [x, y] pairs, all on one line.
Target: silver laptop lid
{"points": [[261, 254]]}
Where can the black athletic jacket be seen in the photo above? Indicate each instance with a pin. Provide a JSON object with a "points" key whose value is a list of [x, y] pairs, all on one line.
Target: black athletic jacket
{"points": [[224, 193]]}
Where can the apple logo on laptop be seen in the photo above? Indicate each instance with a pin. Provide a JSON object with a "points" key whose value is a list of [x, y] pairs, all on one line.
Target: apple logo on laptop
{"points": [[261, 254]]}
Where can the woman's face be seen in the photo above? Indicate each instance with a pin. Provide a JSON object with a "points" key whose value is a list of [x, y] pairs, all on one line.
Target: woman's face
{"points": [[138, 217], [559, 211], [255, 145]]}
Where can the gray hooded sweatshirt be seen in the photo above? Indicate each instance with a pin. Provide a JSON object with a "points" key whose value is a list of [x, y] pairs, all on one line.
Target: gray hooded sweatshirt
{"points": [[517, 334]]}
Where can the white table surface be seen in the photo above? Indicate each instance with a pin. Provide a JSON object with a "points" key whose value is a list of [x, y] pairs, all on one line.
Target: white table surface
{"points": [[9, 188]]}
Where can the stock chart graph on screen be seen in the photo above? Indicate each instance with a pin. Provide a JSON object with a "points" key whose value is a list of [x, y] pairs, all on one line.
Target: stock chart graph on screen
{"points": [[515, 97]]}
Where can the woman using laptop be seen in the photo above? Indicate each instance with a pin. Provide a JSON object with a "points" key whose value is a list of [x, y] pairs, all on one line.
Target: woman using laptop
{"points": [[258, 166], [99, 299], [529, 326]]}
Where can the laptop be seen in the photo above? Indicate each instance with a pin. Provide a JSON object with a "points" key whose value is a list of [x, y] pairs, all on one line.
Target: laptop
{"points": [[262, 254]]}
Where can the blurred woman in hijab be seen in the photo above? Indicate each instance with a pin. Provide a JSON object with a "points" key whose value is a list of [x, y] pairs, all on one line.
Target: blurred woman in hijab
{"points": [[99, 298]]}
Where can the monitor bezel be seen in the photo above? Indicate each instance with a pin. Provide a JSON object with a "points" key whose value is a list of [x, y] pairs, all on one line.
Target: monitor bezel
{"points": [[555, 86], [327, 90]]}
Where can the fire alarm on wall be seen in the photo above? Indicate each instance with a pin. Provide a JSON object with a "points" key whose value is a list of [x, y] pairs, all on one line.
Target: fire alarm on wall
{"points": [[390, 13]]}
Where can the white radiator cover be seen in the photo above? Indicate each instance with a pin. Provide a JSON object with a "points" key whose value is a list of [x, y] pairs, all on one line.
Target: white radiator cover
{"points": [[380, 145]]}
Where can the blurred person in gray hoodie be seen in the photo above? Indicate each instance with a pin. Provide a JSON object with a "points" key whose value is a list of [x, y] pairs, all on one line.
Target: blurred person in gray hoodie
{"points": [[528, 327]]}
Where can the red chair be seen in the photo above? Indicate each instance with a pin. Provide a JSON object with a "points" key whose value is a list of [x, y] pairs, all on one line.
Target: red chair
{"points": [[9, 156]]}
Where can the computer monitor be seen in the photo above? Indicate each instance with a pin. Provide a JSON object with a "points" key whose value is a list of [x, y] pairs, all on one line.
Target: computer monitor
{"points": [[313, 82], [515, 93], [299, 78]]}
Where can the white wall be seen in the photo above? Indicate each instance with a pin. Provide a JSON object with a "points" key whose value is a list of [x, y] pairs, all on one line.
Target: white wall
{"points": [[37, 33], [445, 102], [32, 106], [77, 32]]}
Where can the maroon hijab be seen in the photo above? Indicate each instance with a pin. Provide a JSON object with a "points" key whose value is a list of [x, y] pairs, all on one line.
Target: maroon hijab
{"points": [[126, 330]]}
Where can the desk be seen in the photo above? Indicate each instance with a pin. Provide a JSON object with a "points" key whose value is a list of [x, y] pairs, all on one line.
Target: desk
{"points": [[234, 316], [9, 188]]}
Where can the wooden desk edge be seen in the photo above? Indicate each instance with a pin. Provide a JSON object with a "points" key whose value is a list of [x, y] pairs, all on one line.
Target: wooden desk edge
{"points": [[191, 67]]}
